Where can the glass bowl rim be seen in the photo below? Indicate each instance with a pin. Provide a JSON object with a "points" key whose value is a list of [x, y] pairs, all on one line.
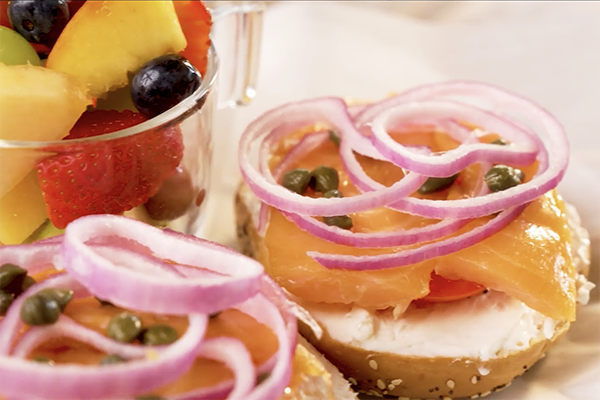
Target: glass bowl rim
{"points": [[168, 116]]}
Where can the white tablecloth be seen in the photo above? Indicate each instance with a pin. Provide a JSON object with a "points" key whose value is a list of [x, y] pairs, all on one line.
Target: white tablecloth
{"points": [[547, 51]]}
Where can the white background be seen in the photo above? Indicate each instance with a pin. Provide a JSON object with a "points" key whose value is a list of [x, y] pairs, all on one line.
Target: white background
{"points": [[547, 51]]}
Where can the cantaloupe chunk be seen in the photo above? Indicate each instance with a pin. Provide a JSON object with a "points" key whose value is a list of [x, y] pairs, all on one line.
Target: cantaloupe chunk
{"points": [[107, 39], [36, 104], [22, 210]]}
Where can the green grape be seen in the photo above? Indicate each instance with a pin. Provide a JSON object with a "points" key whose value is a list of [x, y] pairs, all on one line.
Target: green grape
{"points": [[119, 99], [15, 50]]}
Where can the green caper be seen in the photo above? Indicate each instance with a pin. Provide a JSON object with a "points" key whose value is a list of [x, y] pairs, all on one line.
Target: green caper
{"points": [[124, 327], [333, 193], [296, 180], [6, 300], [158, 335], [501, 142], [27, 283], [112, 359], [501, 177], [40, 310], [11, 277], [341, 221], [43, 360], [325, 179], [262, 377], [150, 397], [432, 185], [62, 296], [335, 138]]}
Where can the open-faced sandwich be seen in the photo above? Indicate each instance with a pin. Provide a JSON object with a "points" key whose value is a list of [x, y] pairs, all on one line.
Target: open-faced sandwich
{"points": [[423, 233], [117, 309]]}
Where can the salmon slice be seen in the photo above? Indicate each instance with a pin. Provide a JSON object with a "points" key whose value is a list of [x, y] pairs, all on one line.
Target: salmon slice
{"points": [[529, 259]]}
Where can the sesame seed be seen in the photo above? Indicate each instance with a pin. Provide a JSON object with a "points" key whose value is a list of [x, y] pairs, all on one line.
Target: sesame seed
{"points": [[397, 382], [450, 383], [373, 364], [385, 392], [391, 386], [474, 379], [486, 393], [446, 398], [352, 381], [380, 384], [475, 396]]}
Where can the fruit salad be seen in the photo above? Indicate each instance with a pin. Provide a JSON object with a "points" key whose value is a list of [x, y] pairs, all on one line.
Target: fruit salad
{"points": [[103, 110]]}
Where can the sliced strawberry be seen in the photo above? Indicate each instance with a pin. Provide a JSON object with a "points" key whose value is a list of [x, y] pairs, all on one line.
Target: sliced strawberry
{"points": [[107, 176], [4, 21], [195, 21]]}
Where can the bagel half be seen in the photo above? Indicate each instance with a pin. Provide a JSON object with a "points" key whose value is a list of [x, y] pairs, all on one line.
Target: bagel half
{"points": [[356, 340]]}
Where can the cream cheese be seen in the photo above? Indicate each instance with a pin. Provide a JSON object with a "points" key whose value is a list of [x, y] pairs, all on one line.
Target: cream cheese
{"points": [[482, 327]]}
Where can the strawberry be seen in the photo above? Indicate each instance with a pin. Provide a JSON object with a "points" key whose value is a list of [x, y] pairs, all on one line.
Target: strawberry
{"points": [[4, 21], [195, 21], [108, 176]]}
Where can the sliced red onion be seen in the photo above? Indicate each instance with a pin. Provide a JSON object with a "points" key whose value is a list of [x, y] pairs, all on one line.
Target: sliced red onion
{"points": [[328, 110], [422, 253], [152, 293], [67, 328], [234, 354], [377, 239], [35, 257], [452, 161]]}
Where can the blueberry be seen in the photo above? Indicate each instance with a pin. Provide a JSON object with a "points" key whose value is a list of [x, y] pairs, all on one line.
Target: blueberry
{"points": [[39, 21], [163, 83]]}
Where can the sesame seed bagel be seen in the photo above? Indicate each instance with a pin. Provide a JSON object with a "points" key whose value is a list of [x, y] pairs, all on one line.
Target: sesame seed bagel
{"points": [[379, 371]]}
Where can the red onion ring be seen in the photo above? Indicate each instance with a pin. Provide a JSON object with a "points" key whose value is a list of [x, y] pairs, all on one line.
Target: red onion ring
{"points": [[66, 327], [452, 161], [422, 253], [234, 354], [157, 294]]}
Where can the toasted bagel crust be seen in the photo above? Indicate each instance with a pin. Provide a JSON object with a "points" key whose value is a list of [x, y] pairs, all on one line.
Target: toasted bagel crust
{"points": [[379, 373]]}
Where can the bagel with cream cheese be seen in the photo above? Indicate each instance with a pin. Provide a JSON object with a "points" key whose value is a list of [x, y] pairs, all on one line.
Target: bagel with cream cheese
{"points": [[453, 312]]}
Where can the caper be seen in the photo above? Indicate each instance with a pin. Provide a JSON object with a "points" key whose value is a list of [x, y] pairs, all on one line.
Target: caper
{"points": [[432, 185], [341, 221], [43, 360], [27, 283], [335, 138], [62, 296], [40, 310], [325, 179], [6, 300], [262, 377], [158, 335], [296, 180], [112, 359], [124, 327], [333, 193], [501, 177], [11, 277], [501, 142]]}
